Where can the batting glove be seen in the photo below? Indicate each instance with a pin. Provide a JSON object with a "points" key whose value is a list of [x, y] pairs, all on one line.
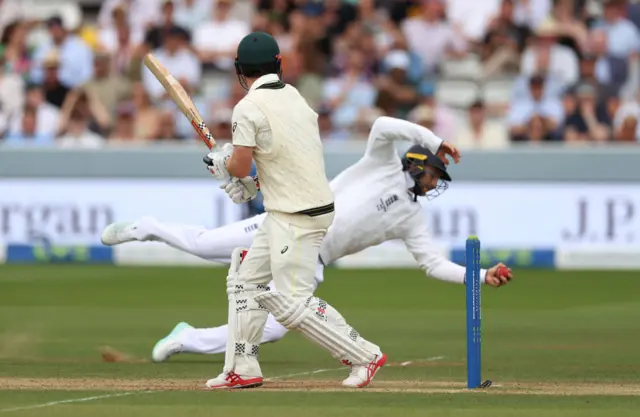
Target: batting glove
{"points": [[242, 190], [217, 162]]}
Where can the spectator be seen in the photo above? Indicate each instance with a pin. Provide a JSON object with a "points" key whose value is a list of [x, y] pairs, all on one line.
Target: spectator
{"points": [[504, 41], [562, 62], [47, 115], [549, 110], [569, 31], [108, 87], [424, 116], [472, 17], [589, 121], [179, 61], [633, 12], [443, 41], [16, 54], [54, 90], [365, 121], [74, 55], [607, 69], [537, 130], [155, 36], [28, 132], [622, 35], [142, 13], [445, 123], [480, 132], [120, 40], [11, 94], [347, 95], [124, 128], [191, 13], [11, 11], [327, 132], [531, 13], [217, 39], [166, 128], [402, 93], [626, 121], [221, 124], [89, 105], [78, 134], [146, 116]]}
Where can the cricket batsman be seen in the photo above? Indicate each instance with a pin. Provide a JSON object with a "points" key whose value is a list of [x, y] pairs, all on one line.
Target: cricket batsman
{"points": [[380, 176], [274, 126]]}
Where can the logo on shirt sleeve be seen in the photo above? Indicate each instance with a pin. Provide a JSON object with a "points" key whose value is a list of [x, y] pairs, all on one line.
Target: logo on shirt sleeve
{"points": [[233, 128]]}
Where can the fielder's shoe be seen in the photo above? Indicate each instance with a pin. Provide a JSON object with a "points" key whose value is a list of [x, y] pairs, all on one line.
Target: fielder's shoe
{"points": [[362, 375], [234, 381], [116, 233], [169, 345]]}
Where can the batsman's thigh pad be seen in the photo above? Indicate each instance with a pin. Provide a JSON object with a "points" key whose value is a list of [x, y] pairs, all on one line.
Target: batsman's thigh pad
{"points": [[294, 254], [322, 324], [256, 266]]}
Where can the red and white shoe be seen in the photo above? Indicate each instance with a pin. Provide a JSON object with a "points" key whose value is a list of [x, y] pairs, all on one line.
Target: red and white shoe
{"points": [[233, 380], [362, 375]]}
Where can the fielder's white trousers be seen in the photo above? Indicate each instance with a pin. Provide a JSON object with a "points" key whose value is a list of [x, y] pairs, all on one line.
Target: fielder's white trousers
{"points": [[214, 339], [214, 245]]}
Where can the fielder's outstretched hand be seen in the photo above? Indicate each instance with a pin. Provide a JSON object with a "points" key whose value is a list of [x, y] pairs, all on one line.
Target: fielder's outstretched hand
{"points": [[498, 275], [448, 149]]}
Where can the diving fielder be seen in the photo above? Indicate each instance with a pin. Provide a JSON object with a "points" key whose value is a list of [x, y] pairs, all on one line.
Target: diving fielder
{"points": [[376, 200]]}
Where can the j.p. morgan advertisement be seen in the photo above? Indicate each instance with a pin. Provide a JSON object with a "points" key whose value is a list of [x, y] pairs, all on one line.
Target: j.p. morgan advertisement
{"points": [[528, 215], [503, 215], [71, 212]]}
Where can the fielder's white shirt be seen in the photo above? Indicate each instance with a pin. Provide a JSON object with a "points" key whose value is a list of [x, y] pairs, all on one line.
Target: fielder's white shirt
{"points": [[373, 203]]}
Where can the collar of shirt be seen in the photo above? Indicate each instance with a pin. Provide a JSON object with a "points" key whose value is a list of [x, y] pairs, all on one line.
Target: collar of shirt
{"points": [[410, 183], [265, 79]]}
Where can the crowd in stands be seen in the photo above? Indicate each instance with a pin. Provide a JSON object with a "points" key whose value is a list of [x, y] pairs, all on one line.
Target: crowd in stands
{"points": [[572, 68]]}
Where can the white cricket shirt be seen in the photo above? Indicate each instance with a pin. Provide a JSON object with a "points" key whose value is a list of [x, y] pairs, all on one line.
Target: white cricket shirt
{"points": [[373, 203]]}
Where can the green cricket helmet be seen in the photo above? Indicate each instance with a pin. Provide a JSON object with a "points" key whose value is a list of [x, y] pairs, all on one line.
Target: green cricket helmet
{"points": [[419, 161], [258, 55]]}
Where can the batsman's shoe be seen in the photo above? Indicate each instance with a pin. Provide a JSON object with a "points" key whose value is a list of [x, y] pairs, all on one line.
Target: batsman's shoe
{"points": [[169, 345], [233, 381], [362, 375], [117, 233]]}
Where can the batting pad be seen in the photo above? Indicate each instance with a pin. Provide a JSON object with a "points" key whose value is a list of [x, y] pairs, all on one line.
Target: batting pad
{"points": [[322, 324], [247, 319]]}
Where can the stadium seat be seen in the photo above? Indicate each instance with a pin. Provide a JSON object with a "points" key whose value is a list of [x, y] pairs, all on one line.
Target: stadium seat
{"points": [[497, 91], [456, 93], [466, 68]]}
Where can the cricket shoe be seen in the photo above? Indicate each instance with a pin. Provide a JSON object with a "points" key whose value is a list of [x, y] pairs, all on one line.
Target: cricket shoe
{"points": [[169, 345], [117, 233], [362, 375], [232, 380]]}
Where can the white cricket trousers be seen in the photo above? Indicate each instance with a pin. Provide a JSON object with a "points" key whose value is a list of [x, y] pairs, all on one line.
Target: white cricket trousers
{"points": [[214, 339]]}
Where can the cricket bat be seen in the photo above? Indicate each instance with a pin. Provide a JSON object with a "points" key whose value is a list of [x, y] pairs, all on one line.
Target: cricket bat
{"points": [[181, 98]]}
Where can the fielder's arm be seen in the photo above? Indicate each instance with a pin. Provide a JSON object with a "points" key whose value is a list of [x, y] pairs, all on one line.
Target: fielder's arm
{"points": [[386, 130], [429, 258]]}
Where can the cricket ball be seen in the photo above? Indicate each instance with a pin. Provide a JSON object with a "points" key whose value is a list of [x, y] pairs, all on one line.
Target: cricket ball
{"points": [[503, 271]]}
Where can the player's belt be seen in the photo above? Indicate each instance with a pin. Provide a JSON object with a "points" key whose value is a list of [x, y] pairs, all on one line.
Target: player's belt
{"points": [[318, 211]]}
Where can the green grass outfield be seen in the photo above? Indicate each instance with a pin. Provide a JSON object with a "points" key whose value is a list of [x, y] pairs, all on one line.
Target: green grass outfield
{"points": [[555, 344]]}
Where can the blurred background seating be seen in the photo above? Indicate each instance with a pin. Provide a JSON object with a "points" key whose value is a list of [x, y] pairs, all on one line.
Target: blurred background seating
{"points": [[483, 74]]}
